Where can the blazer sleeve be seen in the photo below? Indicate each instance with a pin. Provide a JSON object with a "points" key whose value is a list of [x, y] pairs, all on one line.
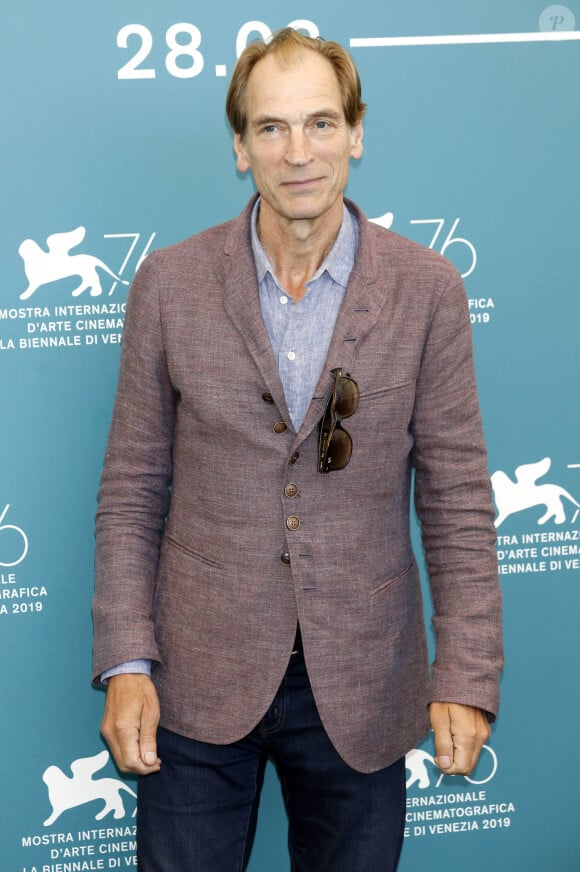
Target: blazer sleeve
{"points": [[454, 507], [135, 485]]}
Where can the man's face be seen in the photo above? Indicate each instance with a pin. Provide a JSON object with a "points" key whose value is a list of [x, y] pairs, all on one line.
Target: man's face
{"points": [[297, 143]]}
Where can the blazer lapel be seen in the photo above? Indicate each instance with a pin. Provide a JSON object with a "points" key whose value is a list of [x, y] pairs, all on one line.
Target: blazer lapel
{"points": [[361, 306], [242, 303]]}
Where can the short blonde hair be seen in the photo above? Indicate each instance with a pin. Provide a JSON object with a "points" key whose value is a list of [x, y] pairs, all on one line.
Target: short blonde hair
{"points": [[285, 45]]}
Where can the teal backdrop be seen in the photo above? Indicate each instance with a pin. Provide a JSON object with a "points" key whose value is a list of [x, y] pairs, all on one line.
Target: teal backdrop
{"points": [[113, 143]]}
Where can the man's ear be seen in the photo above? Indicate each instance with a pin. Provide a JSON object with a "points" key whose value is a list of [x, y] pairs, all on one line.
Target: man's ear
{"points": [[242, 162], [357, 139]]}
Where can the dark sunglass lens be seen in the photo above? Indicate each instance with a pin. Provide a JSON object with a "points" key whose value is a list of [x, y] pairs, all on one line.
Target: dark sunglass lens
{"points": [[339, 450], [346, 397]]}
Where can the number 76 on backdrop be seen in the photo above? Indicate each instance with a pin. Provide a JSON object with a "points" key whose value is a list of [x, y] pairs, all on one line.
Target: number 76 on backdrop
{"points": [[442, 239]]}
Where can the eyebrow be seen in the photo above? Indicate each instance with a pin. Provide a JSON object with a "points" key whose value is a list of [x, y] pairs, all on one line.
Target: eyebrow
{"points": [[264, 120]]}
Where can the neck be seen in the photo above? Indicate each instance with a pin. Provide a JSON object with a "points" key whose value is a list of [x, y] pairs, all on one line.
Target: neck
{"points": [[297, 247]]}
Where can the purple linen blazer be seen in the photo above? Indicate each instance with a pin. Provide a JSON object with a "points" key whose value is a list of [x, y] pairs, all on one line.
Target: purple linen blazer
{"points": [[194, 510]]}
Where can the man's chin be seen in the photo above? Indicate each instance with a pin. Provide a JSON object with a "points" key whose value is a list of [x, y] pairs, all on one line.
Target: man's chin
{"points": [[310, 210]]}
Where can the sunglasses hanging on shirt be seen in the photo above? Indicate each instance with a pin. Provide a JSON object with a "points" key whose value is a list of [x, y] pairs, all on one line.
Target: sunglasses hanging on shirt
{"points": [[334, 442]]}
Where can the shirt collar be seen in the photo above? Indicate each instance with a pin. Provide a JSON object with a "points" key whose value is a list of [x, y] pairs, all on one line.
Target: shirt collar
{"points": [[338, 262]]}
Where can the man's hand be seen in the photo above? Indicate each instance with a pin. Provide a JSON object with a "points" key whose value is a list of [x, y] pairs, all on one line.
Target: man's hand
{"points": [[130, 723], [460, 731]]}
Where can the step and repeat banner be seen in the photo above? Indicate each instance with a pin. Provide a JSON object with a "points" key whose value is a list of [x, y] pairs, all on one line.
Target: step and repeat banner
{"points": [[114, 143]]}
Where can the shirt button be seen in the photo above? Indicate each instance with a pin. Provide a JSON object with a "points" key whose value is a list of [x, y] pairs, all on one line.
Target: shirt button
{"points": [[283, 299], [291, 490], [293, 523], [285, 558], [294, 457], [279, 427], [268, 398], [291, 355]]}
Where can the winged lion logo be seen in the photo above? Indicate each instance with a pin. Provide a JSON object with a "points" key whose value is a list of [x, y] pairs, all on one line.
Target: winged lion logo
{"points": [[42, 267], [524, 493], [65, 793]]}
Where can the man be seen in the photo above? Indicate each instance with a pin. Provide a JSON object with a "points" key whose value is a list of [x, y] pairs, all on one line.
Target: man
{"points": [[281, 376]]}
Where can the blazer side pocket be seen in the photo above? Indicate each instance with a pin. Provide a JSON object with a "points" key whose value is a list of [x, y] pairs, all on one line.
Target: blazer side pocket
{"points": [[376, 591], [170, 542]]}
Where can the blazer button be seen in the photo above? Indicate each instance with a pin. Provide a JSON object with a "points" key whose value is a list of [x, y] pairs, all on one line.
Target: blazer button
{"points": [[291, 490], [294, 457], [268, 398], [279, 427], [293, 523], [285, 558]]}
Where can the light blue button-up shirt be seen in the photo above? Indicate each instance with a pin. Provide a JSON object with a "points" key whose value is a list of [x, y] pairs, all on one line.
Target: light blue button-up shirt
{"points": [[300, 332]]}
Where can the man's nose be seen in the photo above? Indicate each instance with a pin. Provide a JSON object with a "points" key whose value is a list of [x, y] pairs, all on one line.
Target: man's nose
{"points": [[297, 152]]}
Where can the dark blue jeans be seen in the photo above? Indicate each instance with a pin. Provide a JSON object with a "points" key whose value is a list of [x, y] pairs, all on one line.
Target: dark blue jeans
{"points": [[198, 814]]}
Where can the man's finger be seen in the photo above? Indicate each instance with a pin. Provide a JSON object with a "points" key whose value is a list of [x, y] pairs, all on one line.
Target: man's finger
{"points": [[441, 724], [460, 731], [148, 736], [128, 742]]}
